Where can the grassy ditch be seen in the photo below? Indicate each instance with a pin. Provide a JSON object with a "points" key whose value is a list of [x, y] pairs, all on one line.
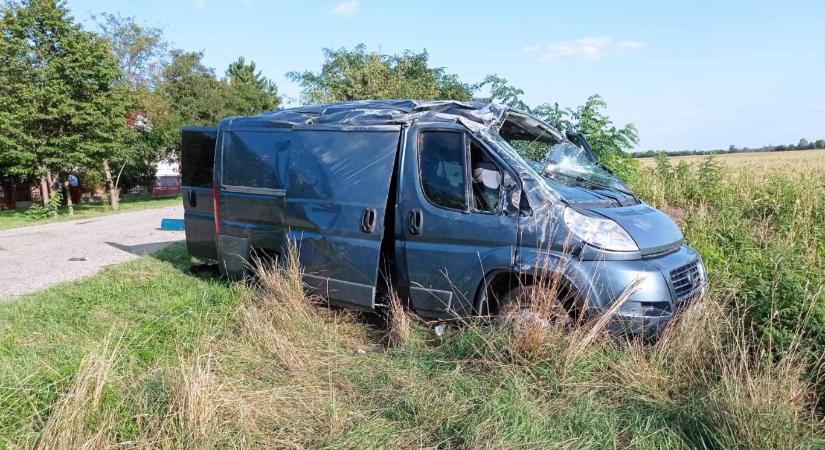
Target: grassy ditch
{"points": [[146, 356], [141, 315]]}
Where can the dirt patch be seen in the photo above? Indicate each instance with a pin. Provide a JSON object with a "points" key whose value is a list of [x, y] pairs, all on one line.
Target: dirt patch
{"points": [[677, 213]]}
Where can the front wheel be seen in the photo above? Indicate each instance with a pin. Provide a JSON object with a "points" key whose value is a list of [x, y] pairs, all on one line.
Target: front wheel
{"points": [[533, 305]]}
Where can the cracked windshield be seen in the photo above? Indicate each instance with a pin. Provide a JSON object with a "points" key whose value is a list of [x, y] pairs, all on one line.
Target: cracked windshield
{"points": [[568, 163]]}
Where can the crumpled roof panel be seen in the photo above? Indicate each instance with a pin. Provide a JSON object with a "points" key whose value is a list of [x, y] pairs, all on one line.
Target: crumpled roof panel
{"points": [[379, 112]]}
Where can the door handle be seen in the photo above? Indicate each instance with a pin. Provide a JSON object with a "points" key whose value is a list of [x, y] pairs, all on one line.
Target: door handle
{"points": [[416, 221], [193, 199], [368, 220]]}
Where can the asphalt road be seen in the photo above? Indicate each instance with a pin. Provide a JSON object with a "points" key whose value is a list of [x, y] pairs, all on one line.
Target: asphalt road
{"points": [[32, 258]]}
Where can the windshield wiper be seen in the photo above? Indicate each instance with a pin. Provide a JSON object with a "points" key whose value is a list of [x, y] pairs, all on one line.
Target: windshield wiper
{"points": [[596, 184]]}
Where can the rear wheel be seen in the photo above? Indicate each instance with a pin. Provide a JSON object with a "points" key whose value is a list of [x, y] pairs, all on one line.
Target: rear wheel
{"points": [[533, 305]]}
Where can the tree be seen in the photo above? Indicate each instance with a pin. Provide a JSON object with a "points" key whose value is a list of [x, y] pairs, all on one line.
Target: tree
{"points": [[610, 143], [61, 105], [803, 144], [251, 92], [195, 95], [500, 91], [140, 52], [358, 75]]}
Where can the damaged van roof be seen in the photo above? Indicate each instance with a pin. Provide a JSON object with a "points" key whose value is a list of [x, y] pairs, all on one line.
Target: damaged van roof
{"points": [[473, 115], [378, 112]]}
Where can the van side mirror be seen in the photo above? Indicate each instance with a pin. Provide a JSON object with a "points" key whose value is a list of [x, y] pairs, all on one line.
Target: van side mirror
{"points": [[512, 195]]}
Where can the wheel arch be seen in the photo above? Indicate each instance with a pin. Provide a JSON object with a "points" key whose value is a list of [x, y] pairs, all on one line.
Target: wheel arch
{"points": [[497, 283]]}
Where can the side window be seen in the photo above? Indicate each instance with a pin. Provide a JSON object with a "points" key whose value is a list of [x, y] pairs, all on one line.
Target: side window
{"points": [[487, 180], [257, 159], [443, 168]]}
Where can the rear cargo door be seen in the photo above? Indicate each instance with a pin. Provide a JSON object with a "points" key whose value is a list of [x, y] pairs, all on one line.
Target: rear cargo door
{"points": [[339, 182], [196, 166]]}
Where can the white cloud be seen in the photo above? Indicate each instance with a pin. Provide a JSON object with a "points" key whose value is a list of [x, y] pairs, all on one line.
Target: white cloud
{"points": [[629, 46], [590, 48], [346, 8]]}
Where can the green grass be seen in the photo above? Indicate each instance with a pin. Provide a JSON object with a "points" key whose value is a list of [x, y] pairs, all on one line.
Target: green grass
{"points": [[151, 304], [15, 219]]}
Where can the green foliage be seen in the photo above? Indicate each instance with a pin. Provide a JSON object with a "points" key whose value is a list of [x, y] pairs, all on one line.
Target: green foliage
{"points": [[172, 89], [195, 96], [760, 231], [251, 91], [684, 183], [60, 105], [38, 211], [500, 91], [359, 74], [610, 143], [139, 50], [157, 309]]}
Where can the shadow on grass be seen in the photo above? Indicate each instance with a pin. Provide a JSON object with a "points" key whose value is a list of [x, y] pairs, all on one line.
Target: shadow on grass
{"points": [[177, 255]]}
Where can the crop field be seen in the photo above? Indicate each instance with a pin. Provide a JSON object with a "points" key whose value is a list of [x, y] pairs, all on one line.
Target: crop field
{"points": [[801, 159], [147, 355]]}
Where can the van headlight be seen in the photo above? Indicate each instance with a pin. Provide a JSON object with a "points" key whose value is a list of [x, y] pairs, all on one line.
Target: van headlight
{"points": [[599, 232]]}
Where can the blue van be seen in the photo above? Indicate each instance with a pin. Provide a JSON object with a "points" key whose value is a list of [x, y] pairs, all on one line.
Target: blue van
{"points": [[433, 200]]}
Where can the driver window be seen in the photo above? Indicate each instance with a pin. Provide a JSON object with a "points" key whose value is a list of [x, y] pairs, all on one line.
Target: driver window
{"points": [[486, 178], [442, 168]]}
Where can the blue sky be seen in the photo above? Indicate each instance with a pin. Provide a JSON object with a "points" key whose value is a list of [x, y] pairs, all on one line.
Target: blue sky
{"points": [[699, 74]]}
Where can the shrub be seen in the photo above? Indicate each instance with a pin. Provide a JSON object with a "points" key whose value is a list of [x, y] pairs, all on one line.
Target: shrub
{"points": [[39, 212], [761, 233]]}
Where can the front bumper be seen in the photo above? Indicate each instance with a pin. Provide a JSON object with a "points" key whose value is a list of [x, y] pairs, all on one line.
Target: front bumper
{"points": [[654, 290]]}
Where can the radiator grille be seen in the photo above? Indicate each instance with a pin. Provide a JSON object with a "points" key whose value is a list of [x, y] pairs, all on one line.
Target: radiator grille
{"points": [[686, 279]]}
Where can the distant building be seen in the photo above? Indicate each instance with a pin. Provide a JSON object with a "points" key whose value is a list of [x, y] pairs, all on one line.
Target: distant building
{"points": [[167, 179]]}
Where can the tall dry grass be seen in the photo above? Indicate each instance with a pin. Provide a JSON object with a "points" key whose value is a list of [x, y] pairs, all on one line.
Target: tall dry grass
{"points": [[77, 419], [291, 372]]}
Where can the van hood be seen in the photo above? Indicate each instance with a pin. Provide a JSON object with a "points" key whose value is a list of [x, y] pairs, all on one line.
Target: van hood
{"points": [[653, 230]]}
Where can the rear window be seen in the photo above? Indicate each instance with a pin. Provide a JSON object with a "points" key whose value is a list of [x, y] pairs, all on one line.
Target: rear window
{"points": [[256, 159], [197, 156]]}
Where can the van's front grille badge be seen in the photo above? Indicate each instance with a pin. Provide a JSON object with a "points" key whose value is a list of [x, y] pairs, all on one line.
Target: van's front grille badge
{"points": [[686, 279]]}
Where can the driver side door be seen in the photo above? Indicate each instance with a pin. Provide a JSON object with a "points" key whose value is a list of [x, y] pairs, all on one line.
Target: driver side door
{"points": [[449, 238]]}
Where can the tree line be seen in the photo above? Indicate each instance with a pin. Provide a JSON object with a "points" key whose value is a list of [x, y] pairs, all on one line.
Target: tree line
{"points": [[109, 102], [803, 144]]}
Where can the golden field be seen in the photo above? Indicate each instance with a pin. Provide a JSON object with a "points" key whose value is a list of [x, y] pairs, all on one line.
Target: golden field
{"points": [[801, 159]]}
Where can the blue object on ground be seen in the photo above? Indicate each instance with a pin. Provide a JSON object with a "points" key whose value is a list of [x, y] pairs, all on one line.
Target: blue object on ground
{"points": [[171, 224]]}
